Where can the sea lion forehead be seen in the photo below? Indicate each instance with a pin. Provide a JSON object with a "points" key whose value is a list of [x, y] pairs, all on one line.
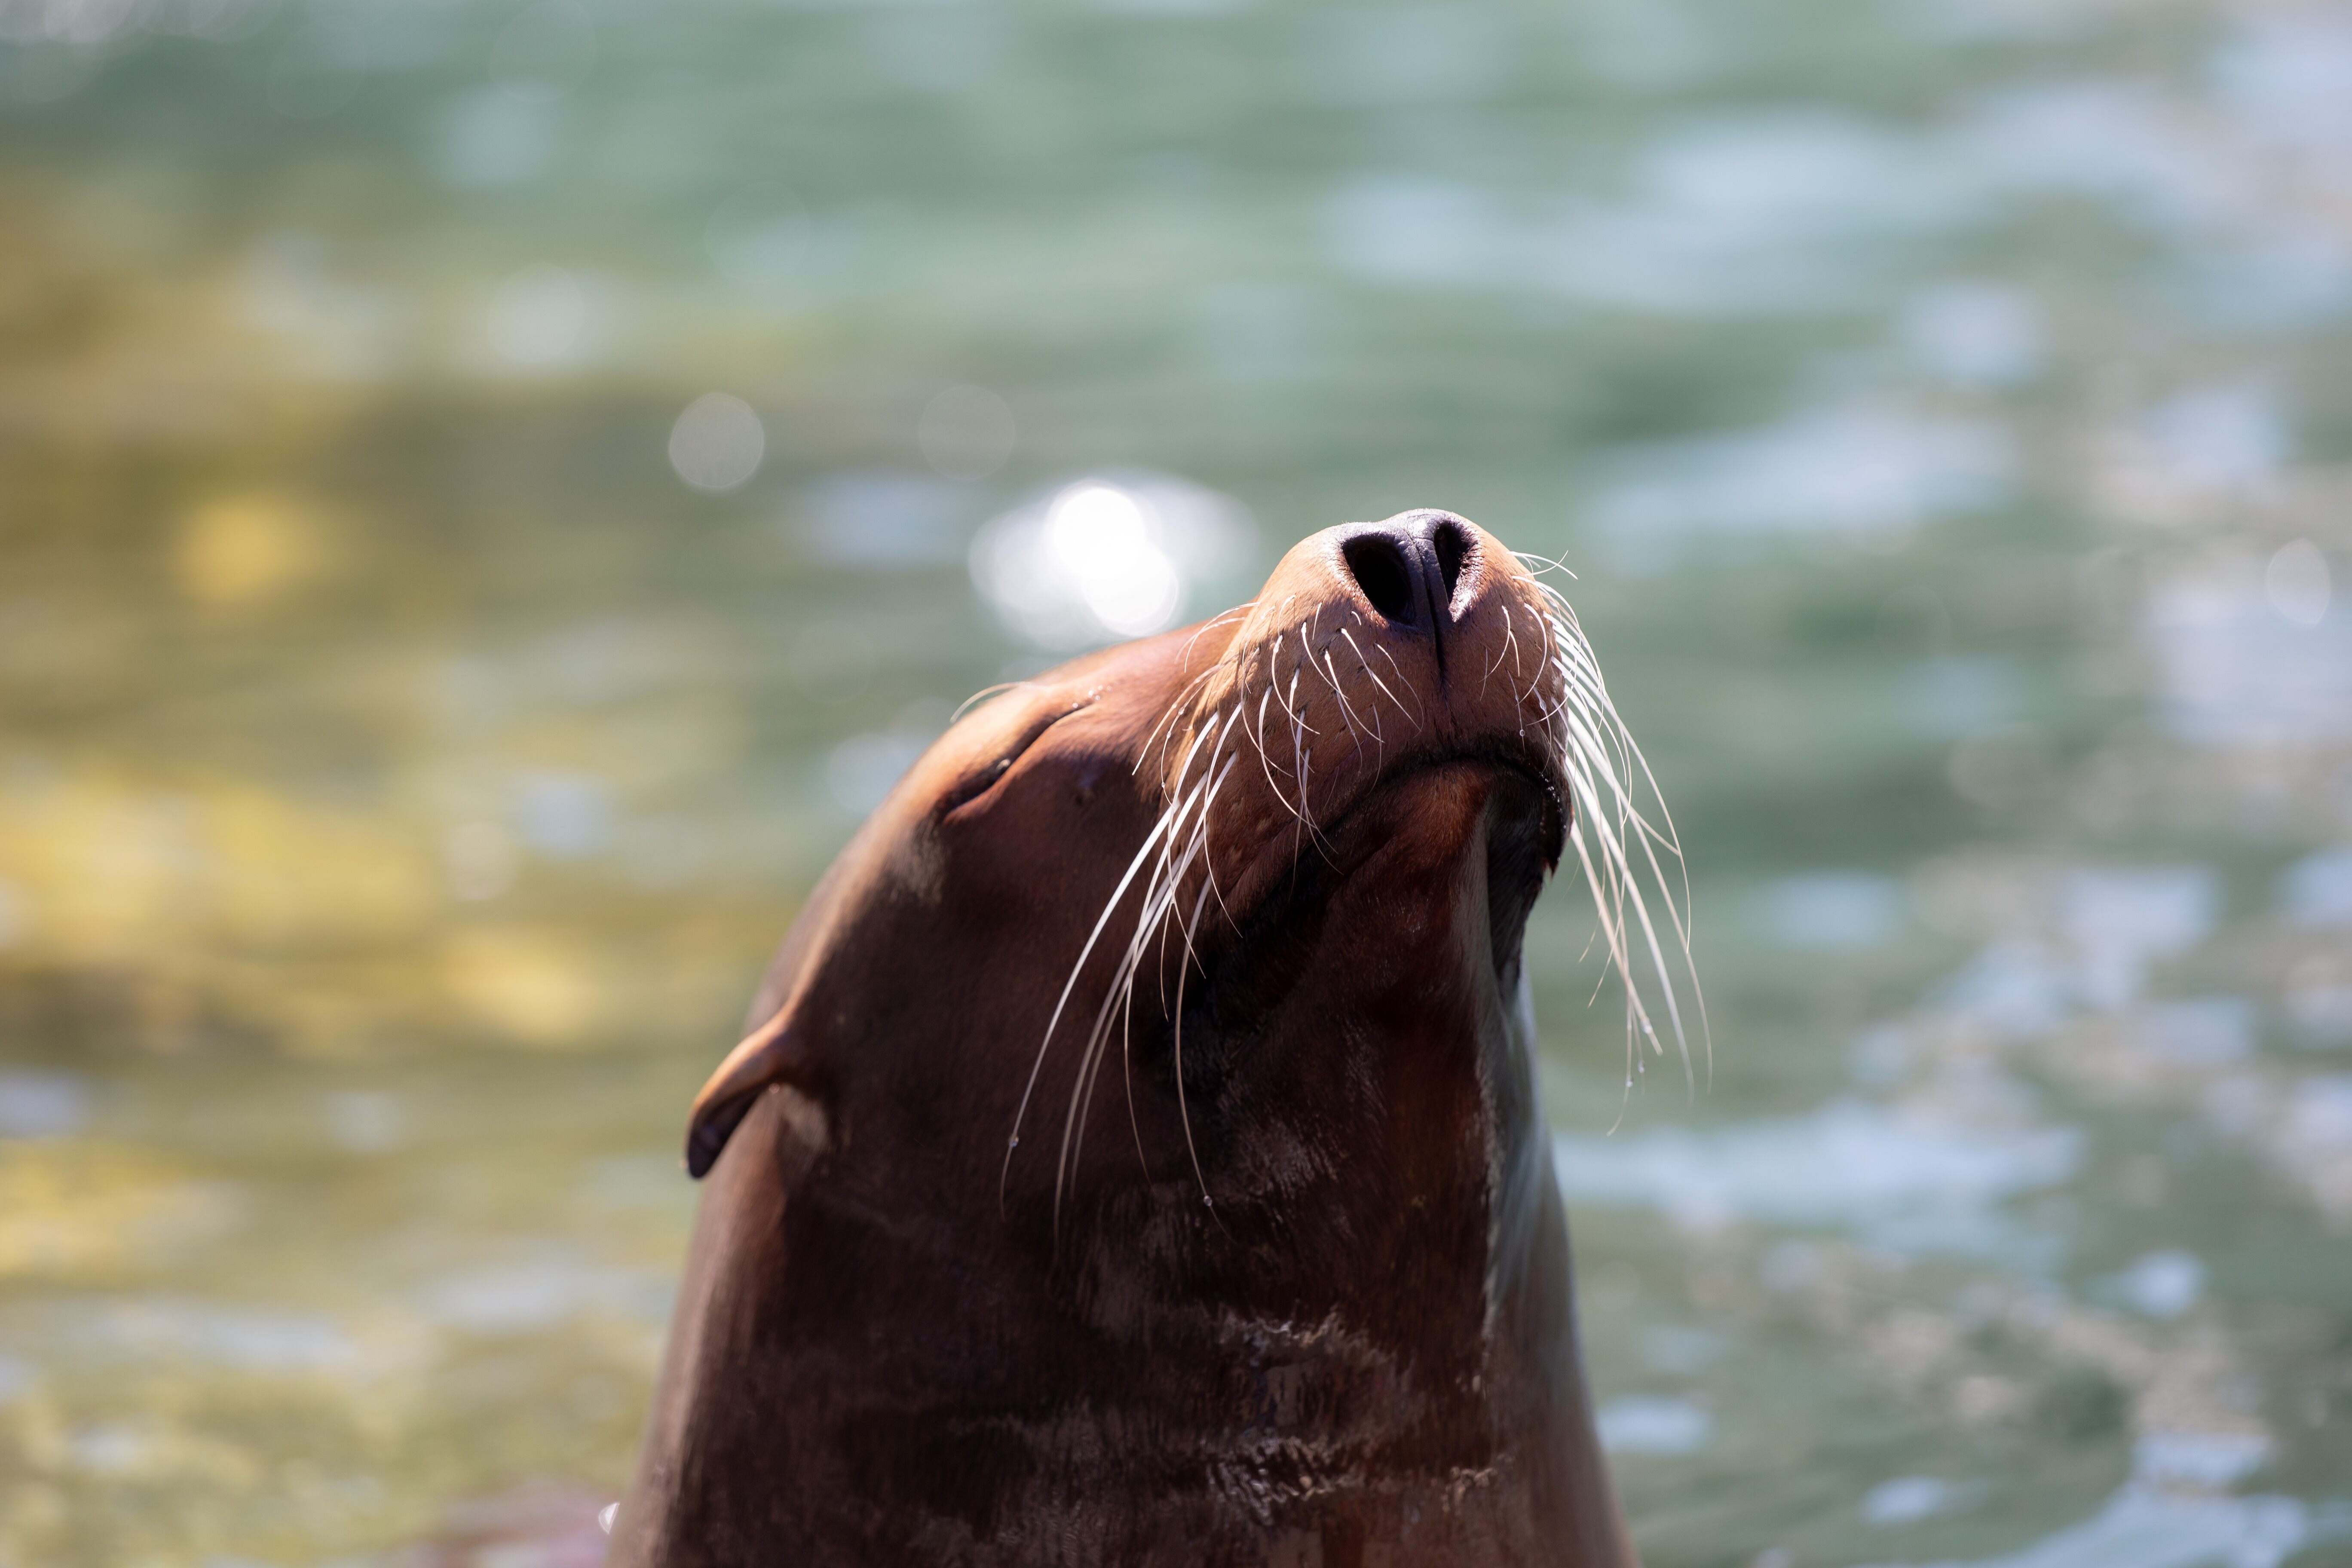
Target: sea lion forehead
{"points": [[1107, 700]]}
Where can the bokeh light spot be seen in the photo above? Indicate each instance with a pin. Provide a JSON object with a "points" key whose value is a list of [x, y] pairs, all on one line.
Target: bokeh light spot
{"points": [[1097, 536], [718, 443], [1102, 558], [2298, 585], [539, 317]]}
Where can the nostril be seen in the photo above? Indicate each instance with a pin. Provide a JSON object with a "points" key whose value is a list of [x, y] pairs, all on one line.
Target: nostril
{"points": [[1453, 547], [1378, 564]]}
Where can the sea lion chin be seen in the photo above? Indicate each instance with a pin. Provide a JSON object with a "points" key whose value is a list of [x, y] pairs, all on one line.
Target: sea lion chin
{"points": [[1137, 1158]]}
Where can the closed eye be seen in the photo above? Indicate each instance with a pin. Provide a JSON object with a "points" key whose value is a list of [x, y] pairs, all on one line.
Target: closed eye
{"points": [[985, 778]]}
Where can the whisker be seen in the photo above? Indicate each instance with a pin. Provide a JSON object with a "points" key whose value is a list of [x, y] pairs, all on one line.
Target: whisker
{"points": [[1398, 671], [1155, 921], [1612, 836], [983, 694], [1164, 826], [1373, 675], [1211, 624], [1142, 853]]}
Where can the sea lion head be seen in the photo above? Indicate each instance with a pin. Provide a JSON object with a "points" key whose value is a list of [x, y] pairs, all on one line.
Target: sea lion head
{"points": [[1164, 1032]]}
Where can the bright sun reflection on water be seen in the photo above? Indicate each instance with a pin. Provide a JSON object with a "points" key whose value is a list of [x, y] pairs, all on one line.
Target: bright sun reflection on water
{"points": [[1096, 535], [1108, 557]]}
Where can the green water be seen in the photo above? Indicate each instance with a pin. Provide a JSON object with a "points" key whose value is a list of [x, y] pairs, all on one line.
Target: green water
{"points": [[403, 773]]}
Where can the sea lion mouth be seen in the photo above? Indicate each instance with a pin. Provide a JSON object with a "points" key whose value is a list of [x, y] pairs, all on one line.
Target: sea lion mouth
{"points": [[1536, 813], [1527, 831], [1515, 755]]}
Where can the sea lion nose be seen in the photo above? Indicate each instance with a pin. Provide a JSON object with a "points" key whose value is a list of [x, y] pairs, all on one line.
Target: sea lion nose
{"points": [[1409, 567]]}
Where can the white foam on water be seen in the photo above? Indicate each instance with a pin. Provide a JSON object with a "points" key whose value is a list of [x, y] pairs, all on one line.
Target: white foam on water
{"points": [[2204, 1031], [2233, 435], [1756, 213], [1735, 215], [528, 1296], [1833, 910], [2234, 672], [2168, 1515], [2322, 1115], [1973, 333], [2286, 76], [2316, 890], [2162, 1284], [2120, 919], [2142, 1529], [1856, 472], [41, 1104], [2014, 989], [2111, 924], [179, 1330], [1653, 1424], [2119, 141], [1906, 1500], [1903, 1176], [2205, 1460]]}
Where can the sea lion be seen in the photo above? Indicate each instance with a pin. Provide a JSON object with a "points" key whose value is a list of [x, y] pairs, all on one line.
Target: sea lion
{"points": [[1138, 1157]]}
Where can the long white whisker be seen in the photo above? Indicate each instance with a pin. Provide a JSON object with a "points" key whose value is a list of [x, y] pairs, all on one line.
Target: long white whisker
{"points": [[1166, 824], [1121, 988], [1603, 765], [1142, 853], [1374, 676], [1398, 671], [982, 695]]}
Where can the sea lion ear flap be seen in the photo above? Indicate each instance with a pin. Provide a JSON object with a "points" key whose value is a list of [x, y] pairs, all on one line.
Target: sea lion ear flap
{"points": [[776, 1052]]}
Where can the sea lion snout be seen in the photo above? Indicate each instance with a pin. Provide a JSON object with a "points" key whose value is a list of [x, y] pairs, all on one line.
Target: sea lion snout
{"points": [[1373, 650], [1418, 571]]}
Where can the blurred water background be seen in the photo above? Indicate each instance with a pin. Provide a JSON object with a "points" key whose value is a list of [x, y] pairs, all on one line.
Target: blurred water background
{"points": [[489, 493]]}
